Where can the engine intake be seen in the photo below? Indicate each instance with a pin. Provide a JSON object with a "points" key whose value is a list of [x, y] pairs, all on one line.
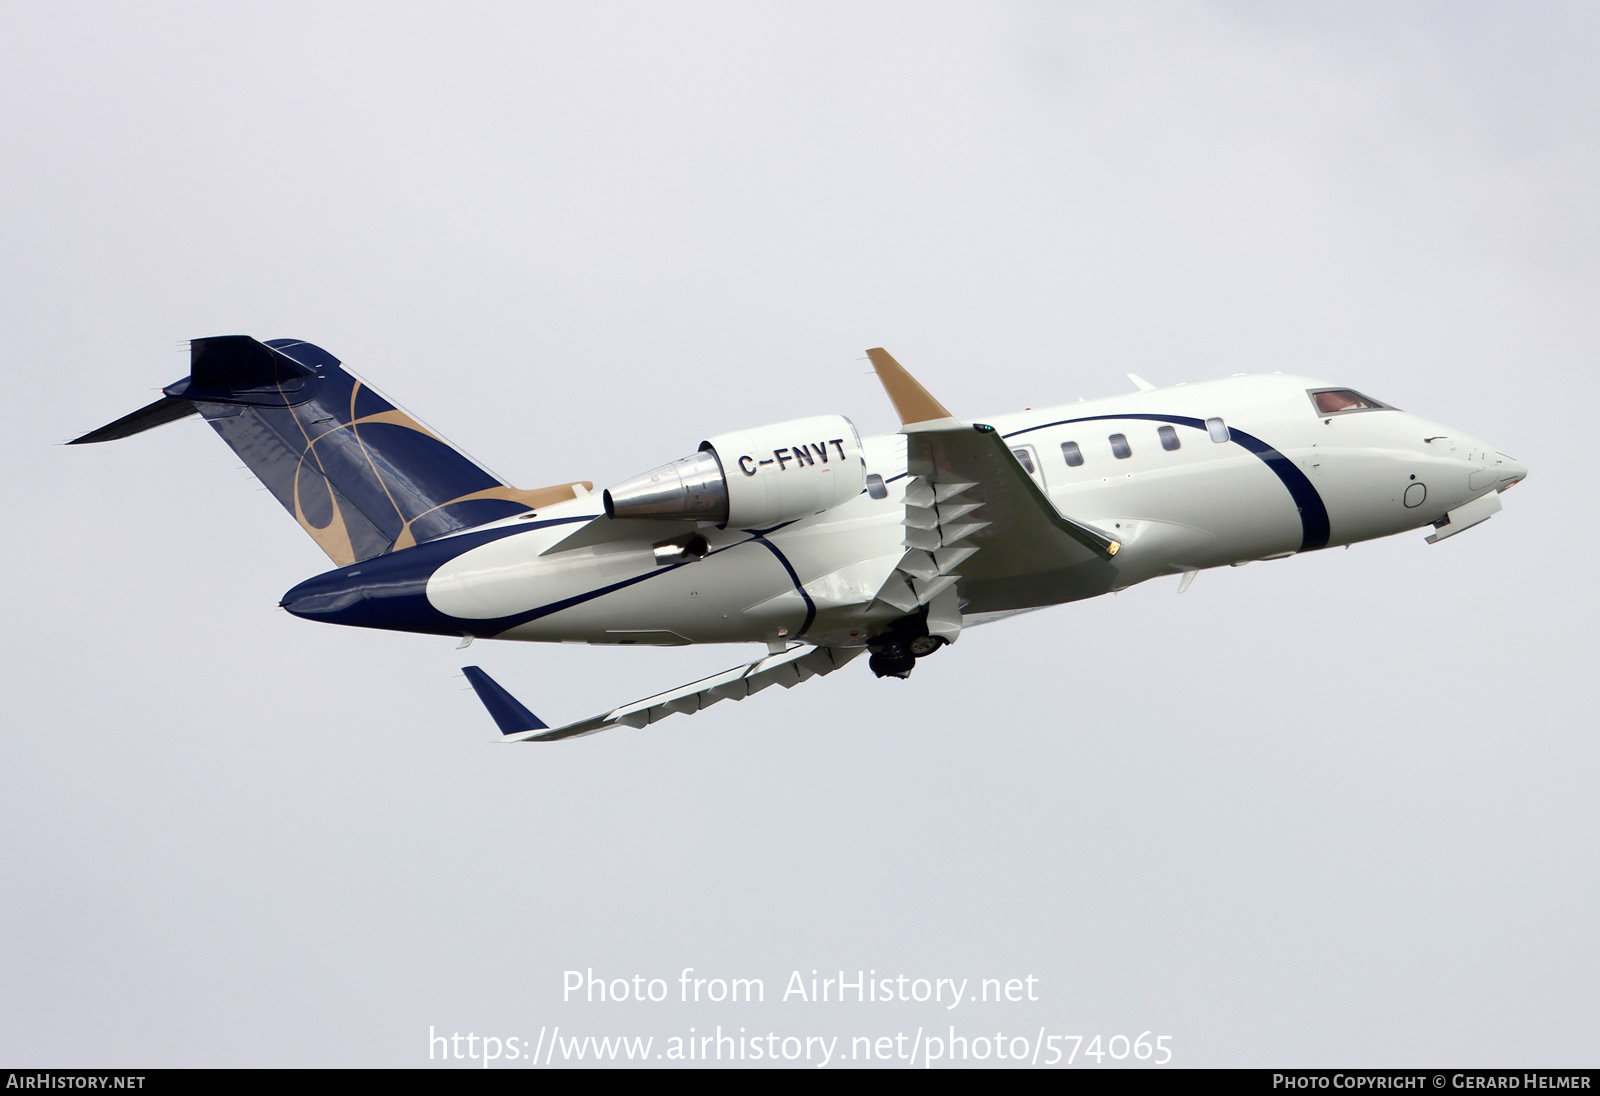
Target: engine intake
{"points": [[753, 477]]}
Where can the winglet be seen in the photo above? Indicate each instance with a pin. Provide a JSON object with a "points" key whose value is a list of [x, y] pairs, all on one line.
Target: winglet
{"points": [[911, 400], [507, 710]]}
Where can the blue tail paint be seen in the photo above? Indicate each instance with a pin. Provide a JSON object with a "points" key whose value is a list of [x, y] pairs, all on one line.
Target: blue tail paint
{"points": [[360, 476]]}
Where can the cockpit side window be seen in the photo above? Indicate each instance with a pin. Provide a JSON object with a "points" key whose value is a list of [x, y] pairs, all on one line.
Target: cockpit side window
{"points": [[1339, 401]]}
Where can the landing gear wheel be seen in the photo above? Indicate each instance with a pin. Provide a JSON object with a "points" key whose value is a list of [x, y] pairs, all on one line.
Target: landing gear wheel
{"points": [[893, 661], [926, 645]]}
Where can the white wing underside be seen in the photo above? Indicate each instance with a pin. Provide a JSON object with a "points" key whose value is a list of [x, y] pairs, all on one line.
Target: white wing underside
{"points": [[787, 669]]}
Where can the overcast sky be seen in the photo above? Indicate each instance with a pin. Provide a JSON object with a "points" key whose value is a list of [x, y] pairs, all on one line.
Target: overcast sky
{"points": [[1333, 811]]}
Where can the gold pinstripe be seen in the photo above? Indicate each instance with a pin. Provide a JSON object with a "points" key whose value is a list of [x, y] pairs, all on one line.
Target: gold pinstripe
{"points": [[334, 538]]}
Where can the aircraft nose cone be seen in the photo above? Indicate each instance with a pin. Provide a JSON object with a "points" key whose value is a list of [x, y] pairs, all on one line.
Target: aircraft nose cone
{"points": [[1511, 472]]}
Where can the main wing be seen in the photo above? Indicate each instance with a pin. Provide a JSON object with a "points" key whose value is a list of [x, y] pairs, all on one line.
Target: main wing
{"points": [[788, 668], [979, 534], [975, 520]]}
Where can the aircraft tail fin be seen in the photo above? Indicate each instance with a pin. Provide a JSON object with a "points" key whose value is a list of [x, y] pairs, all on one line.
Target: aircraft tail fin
{"points": [[361, 476]]}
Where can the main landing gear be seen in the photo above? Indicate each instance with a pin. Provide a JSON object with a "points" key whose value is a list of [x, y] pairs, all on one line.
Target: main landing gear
{"points": [[895, 652]]}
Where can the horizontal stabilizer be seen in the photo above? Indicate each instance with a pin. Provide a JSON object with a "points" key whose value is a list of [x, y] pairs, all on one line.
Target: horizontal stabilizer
{"points": [[238, 369], [788, 668], [166, 409]]}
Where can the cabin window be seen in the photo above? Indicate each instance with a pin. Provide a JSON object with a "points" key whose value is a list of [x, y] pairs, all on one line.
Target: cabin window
{"points": [[1071, 454], [1217, 429], [1337, 401], [1169, 438], [1025, 459], [875, 486], [1119, 446]]}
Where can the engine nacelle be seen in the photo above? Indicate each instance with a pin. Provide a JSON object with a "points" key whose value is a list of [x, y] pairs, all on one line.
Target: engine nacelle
{"points": [[752, 478]]}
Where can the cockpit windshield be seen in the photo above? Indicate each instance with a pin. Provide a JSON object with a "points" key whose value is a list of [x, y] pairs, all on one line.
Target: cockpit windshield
{"points": [[1338, 401]]}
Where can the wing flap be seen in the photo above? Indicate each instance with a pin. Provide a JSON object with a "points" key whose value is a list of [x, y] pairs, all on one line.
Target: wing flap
{"points": [[1003, 513]]}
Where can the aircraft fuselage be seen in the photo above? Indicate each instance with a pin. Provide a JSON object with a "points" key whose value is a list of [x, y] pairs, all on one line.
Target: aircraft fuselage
{"points": [[1185, 478]]}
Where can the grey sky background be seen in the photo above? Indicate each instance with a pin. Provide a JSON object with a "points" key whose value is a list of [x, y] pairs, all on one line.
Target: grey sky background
{"points": [[1331, 811]]}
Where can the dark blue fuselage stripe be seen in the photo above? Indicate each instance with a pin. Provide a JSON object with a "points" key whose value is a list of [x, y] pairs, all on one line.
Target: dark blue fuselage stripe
{"points": [[392, 592], [517, 619], [1314, 525], [811, 606]]}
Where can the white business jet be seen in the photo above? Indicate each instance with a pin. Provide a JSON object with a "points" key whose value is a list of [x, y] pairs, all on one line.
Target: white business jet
{"points": [[805, 537]]}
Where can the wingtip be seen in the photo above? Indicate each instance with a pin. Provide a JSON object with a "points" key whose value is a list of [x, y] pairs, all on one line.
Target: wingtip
{"points": [[506, 710], [912, 402]]}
